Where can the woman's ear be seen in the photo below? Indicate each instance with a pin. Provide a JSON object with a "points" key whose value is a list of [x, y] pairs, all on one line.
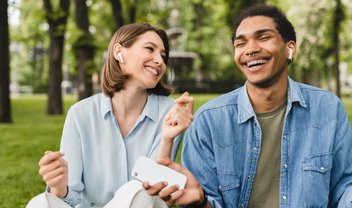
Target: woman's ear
{"points": [[117, 50]]}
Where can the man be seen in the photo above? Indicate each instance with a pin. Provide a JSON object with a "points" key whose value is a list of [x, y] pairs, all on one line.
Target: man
{"points": [[273, 142]]}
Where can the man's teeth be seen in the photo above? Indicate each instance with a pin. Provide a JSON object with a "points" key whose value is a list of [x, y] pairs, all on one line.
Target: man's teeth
{"points": [[155, 72], [256, 62]]}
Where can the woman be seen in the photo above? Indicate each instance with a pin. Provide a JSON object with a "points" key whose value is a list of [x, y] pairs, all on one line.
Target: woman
{"points": [[103, 135]]}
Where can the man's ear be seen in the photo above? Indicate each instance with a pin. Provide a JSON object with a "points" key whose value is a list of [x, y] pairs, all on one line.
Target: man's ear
{"points": [[291, 50]]}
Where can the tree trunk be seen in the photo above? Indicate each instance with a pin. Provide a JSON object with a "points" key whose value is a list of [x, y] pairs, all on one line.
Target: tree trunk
{"points": [[5, 106], [117, 12], [336, 41], [133, 11], [57, 28], [84, 51]]}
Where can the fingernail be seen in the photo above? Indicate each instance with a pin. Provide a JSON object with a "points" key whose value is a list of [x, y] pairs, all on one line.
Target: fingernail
{"points": [[165, 183], [46, 152]]}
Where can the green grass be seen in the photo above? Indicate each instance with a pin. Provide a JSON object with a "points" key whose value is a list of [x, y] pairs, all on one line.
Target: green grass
{"points": [[22, 144], [24, 141]]}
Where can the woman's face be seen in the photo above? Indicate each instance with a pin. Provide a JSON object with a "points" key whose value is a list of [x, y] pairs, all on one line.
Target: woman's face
{"points": [[144, 61]]}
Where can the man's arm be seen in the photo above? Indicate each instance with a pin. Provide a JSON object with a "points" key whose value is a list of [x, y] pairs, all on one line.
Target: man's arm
{"points": [[342, 170], [197, 156]]}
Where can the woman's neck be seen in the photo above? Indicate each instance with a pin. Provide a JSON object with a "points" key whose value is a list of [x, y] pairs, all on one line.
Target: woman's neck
{"points": [[127, 102]]}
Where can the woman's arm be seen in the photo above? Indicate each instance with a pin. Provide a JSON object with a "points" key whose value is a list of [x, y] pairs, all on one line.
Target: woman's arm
{"points": [[175, 122]]}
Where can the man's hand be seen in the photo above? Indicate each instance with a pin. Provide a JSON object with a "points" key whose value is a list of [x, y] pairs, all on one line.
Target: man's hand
{"points": [[192, 194]]}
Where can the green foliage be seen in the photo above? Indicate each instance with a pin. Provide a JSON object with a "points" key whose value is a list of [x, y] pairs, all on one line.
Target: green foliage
{"points": [[83, 41], [30, 41], [208, 33]]}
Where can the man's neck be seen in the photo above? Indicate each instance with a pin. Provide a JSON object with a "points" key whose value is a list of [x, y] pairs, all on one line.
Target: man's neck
{"points": [[269, 98]]}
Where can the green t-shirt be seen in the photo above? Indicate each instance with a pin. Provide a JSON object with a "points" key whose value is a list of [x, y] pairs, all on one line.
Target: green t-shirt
{"points": [[266, 186]]}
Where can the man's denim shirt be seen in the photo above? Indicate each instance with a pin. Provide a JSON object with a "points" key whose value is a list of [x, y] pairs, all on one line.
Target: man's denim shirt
{"points": [[223, 144]]}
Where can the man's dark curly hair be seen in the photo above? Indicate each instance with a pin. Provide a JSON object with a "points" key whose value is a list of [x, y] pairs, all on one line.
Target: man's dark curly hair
{"points": [[283, 25]]}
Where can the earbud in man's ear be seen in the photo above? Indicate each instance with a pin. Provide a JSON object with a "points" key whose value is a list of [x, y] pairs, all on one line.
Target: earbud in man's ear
{"points": [[120, 57], [290, 54]]}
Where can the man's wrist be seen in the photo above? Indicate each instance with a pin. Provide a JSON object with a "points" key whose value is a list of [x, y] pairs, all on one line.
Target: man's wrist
{"points": [[203, 203]]}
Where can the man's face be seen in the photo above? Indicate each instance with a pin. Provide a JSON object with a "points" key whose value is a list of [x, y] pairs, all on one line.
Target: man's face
{"points": [[260, 51]]}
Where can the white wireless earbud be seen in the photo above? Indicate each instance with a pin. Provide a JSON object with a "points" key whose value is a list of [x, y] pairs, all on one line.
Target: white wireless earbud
{"points": [[120, 57], [290, 51]]}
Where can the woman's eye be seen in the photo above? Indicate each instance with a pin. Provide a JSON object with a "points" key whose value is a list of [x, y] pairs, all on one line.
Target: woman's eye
{"points": [[150, 49]]}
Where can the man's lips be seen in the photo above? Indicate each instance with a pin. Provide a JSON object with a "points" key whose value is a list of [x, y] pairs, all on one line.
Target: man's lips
{"points": [[256, 62]]}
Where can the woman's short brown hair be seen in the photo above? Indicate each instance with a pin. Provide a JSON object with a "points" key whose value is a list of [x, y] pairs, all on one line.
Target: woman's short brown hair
{"points": [[113, 79]]}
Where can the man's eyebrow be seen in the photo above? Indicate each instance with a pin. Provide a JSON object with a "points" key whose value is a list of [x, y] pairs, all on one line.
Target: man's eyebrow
{"points": [[259, 32], [239, 37], [256, 33]]}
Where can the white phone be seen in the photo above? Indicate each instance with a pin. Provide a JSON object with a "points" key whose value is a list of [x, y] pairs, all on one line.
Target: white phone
{"points": [[147, 170]]}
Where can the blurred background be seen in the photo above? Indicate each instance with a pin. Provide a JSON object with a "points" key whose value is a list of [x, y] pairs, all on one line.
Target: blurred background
{"points": [[57, 47], [52, 53]]}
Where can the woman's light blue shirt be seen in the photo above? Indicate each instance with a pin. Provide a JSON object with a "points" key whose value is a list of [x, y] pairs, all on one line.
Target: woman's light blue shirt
{"points": [[223, 143], [99, 159]]}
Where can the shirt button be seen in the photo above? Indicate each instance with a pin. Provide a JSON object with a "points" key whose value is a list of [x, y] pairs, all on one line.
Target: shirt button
{"points": [[254, 149], [249, 177], [242, 205], [284, 197], [322, 168], [285, 165]]}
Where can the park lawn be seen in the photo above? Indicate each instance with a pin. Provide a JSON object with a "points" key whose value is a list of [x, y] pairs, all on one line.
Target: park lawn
{"points": [[32, 133], [25, 140]]}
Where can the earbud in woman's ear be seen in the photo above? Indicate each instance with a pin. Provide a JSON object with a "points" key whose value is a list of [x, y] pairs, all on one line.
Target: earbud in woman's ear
{"points": [[120, 57]]}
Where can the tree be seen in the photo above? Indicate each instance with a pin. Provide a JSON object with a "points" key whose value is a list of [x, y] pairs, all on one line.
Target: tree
{"points": [[57, 19], [117, 12], [338, 18], [5, 107], [84, 51]]}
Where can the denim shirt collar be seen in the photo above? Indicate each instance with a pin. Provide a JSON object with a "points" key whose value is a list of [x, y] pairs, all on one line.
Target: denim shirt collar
{"points": [[151, 108], [245, 109]]}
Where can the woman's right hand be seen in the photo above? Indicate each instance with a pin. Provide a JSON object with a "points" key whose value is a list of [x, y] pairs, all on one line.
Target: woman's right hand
{"points": [[53, 169]]}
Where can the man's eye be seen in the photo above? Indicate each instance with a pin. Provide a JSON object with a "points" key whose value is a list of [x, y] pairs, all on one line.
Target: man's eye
{"points": [[239, 44], [265, 37]]}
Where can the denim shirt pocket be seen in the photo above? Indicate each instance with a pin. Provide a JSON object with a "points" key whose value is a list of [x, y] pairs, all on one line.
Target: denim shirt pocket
{"points": [[229, 187], [316, 179]]}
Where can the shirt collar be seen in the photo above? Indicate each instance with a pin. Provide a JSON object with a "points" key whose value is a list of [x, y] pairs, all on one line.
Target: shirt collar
{"points": [[245, 109], [105, 105], [151, 109]]}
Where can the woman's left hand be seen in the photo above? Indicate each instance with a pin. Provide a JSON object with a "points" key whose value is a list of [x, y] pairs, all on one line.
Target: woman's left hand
{"points": [[179, 117]]}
